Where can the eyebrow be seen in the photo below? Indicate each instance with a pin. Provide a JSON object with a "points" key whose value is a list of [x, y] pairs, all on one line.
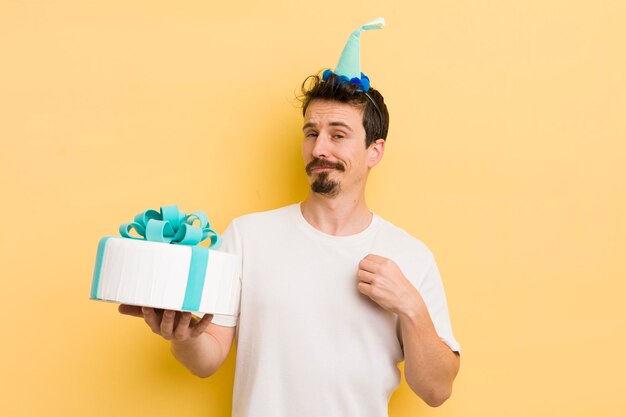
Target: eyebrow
{"points": [[341, 124]]}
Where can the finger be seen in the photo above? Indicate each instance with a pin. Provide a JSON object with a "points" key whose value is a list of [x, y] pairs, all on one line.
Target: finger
{"points": [[201, 325], [128, 310], [177, 316], [182, 328], [366, 276], [376, 258], [368, 265], [167, 323], [151, 318], [364, 288]]}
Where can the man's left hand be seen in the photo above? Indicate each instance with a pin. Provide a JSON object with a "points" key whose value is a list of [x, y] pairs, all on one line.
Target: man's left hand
{"points": [[383, 281]]}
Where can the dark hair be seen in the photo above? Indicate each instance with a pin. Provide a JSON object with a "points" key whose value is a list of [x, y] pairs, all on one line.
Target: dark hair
{"points": [[375, 116]]}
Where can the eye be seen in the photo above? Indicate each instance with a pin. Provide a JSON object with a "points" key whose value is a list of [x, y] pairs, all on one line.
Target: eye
{"points": [[310, 134]]}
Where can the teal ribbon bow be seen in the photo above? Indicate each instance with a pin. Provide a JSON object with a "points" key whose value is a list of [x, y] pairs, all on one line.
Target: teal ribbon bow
{"points": [[172, 226]]}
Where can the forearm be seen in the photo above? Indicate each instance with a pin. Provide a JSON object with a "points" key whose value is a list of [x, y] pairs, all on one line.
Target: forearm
{"points": [[202, 355], [430, 366]]}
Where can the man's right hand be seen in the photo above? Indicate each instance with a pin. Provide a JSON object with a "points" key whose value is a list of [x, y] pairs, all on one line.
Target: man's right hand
{"points": [[172, 325]]}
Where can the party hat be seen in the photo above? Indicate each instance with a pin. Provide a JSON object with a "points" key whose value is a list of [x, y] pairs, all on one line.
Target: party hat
{"points": [[349, 66]]}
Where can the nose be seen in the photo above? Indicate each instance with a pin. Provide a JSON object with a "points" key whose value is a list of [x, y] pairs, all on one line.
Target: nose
{"points": [[321, 147]]}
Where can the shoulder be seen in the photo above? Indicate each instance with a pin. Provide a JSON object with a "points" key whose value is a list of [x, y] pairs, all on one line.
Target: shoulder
{"points": [[411, 254], [399, 240], [256, 227], [265, 219]]}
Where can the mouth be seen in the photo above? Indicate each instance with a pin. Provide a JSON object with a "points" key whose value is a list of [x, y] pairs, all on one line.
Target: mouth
{"points": [[321, 169]]}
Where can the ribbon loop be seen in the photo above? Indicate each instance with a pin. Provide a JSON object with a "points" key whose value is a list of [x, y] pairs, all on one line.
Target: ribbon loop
{"points": [[199, 216], [171, 226], [125, 229]]}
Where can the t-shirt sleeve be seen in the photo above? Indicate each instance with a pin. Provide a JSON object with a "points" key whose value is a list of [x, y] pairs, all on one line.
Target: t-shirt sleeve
{"points": [[432, 291], [231, 244]]}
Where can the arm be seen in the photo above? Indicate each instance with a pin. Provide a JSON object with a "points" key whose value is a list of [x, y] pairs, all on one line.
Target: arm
{"points": [[430, 366], [199, 345]]}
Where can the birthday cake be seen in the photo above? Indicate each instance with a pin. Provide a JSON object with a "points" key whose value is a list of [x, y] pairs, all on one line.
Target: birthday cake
{"points": [[163, 266]]}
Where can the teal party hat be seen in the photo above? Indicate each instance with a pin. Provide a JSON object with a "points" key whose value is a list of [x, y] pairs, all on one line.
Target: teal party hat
{"points": [[348, 68]]}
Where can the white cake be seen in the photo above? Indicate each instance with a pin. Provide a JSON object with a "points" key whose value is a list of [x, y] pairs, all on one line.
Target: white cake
{"points": [[168, 276]]}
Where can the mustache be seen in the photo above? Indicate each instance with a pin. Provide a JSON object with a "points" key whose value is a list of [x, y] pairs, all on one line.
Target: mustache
{"points": [[323, 163]]}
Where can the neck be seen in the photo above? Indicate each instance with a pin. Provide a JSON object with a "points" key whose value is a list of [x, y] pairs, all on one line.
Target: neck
{"points": [[342, 215]]}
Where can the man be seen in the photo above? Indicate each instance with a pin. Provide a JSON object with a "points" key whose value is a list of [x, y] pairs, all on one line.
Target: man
{"points": [[333, 296]]}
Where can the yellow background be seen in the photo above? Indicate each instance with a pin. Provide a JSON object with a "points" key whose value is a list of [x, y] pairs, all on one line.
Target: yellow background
{"points": [[505, 155]]}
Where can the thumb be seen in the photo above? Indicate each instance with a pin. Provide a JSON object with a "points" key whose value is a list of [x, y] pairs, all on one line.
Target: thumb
{"points": [[128, 310]]}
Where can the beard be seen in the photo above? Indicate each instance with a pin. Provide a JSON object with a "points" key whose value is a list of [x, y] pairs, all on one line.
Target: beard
{"points": [[322, 184], [325, 186]]}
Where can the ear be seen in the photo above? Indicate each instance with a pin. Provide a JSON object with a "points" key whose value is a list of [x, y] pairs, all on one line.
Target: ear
{"points": [[375, 152]]}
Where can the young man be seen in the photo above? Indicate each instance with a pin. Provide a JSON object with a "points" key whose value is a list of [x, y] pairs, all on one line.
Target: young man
{"points": [[333, 296]]}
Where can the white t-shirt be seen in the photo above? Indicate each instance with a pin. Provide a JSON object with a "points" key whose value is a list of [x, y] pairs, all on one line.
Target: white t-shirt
{"points": [[308, 343]]}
